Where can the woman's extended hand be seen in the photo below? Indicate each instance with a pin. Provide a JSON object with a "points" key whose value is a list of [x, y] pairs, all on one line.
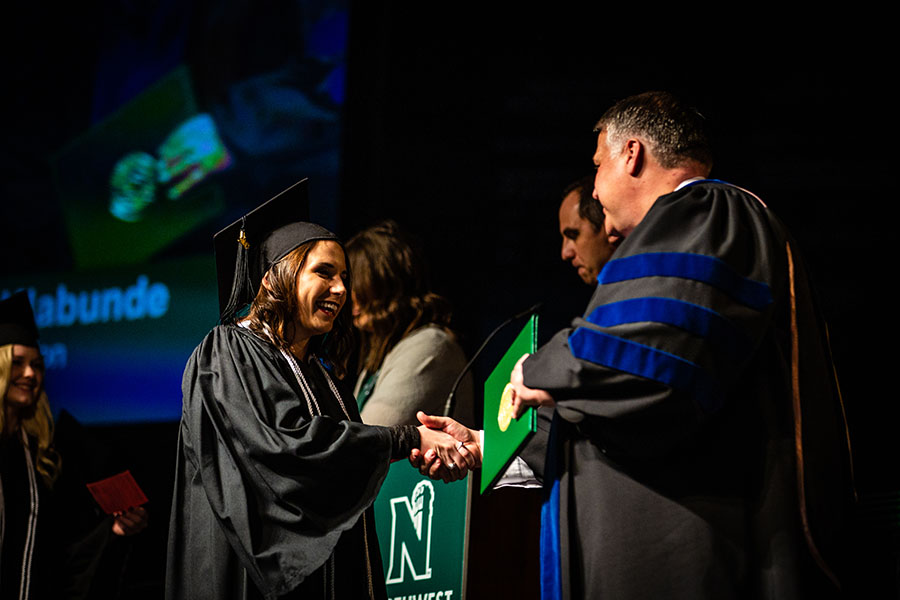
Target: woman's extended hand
{"points": [[438, 461]]}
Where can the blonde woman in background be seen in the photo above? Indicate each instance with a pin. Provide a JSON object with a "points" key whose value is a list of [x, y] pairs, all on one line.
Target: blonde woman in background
{"points": [[35, 559]]}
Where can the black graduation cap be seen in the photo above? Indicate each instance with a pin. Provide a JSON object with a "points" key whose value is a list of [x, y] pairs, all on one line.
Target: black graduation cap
{"points": [[17, 324], [247, 248]]}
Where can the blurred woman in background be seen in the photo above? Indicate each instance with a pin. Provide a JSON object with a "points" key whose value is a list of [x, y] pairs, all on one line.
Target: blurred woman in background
{"points": [[408, 356], [40, 556]]}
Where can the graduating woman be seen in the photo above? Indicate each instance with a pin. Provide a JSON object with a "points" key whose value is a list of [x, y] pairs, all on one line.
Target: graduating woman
{"points": [[275, 472], [42, 555], [409, 357]]}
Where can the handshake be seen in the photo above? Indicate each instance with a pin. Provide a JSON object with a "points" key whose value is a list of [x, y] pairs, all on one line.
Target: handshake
{"points": [[448, 450]]}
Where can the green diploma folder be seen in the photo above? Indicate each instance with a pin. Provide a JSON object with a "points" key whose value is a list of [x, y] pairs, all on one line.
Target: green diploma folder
{"points": [[502, 444]]}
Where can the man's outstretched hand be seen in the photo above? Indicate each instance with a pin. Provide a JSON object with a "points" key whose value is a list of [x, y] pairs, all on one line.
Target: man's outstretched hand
{"points": [[437, 462]]}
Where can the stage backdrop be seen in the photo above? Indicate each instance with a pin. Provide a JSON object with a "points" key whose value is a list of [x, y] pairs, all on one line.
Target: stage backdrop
{"points": [[182, 123]]}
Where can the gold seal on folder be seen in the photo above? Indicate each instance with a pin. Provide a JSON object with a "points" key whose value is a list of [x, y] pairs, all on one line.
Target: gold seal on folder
{"points": [[506, 412]]}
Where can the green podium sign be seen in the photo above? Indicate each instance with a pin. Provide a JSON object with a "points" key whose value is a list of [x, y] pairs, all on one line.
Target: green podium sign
{"points": [[422, 533]]}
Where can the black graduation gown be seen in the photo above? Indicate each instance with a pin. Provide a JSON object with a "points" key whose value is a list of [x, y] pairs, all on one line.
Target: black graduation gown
{"points": [[24, 563], [677, 416], [269, 500], [62, 549]]}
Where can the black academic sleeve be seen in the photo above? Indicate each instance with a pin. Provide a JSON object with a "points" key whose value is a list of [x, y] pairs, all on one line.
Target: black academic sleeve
{"points": [[672, 326]]}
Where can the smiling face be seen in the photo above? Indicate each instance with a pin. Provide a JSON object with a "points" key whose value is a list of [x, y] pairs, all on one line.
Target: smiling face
{"points": [[321, 290], [583, 246], [26, 378]]}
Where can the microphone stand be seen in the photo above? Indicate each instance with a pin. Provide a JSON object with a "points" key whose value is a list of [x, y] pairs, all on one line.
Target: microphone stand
{"points": [[450, 404]]}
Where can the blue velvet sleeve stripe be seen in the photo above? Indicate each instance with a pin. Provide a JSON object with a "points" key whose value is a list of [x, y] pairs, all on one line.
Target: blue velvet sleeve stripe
{"points": [[697, 267], [551, 562], [707, 181], [644, 361], [695, 319]]}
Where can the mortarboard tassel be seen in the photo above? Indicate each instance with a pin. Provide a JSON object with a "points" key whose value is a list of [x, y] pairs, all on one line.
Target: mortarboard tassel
{"points": [[241, 292]]}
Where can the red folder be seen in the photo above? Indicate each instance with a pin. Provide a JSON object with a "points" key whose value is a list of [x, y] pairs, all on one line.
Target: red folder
{"points": [[117, 493]]}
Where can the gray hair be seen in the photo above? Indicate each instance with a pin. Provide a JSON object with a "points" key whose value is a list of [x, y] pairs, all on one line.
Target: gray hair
{"points": [[673, 132]]}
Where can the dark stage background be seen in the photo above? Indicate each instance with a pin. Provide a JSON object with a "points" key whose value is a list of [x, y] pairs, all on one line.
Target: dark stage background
{"points": [[465, 127]]}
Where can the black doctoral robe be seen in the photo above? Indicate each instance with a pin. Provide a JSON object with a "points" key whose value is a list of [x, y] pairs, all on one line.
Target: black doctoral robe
{"points": [[272, 493], [694, 400]]}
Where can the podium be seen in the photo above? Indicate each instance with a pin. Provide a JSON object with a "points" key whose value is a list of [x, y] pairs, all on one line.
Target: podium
{"points": [[423, 525], [423, 528]]}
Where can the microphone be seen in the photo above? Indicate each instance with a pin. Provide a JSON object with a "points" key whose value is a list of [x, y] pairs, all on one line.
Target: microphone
{"points": [[451, 397]]}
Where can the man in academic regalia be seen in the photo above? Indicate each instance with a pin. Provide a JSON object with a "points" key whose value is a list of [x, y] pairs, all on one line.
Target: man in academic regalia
{"points": [[698, 446]]}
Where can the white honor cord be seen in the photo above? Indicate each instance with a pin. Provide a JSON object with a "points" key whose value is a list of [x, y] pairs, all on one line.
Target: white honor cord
{"points": [[32, 522], [310, 400], [304, 386], [333, 387]]}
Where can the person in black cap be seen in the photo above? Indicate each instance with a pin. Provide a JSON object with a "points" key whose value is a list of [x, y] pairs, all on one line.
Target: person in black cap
{"points": [[275, 472], [38, 560]]}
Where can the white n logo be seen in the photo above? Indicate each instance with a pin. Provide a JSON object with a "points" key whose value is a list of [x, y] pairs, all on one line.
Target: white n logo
{"points": [[411, 534]]}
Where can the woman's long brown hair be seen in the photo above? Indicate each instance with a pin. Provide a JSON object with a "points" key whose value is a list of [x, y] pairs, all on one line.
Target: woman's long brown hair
{"points": [[391, 289], [273, 312]]}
